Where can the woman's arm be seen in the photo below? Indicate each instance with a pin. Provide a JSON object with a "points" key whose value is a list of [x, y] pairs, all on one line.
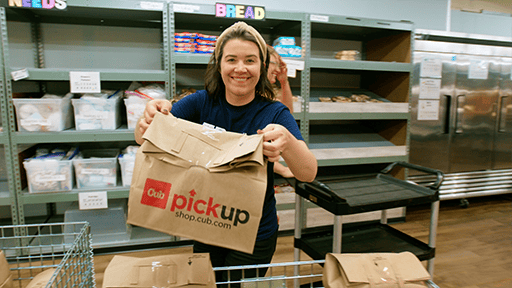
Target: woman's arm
{"points": [[286, 91], [279, 142]]}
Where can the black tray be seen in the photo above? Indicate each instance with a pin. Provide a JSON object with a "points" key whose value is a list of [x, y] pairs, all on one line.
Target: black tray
{"points": [[383, 191], [367, 238]]}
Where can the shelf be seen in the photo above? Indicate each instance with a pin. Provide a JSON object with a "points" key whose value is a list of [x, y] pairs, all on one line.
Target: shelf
{"points": [[360, 65], [190, 58], [96, 12], [348, 143], [139, 236], [355, 110], [35, 198], [72, 135], [357, 27], [351, 156], [370, 238], [61, 74]]}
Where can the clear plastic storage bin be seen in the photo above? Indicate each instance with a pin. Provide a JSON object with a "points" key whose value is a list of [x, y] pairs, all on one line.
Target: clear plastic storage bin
{"points": [[107, 225], [96, 168], [49, 175], [134, 110], [97, 113], [45, 114], [127, 162]]}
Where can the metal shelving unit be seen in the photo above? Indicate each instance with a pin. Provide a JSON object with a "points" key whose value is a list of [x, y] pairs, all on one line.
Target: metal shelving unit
{"points": [[382, 72], [7, 194], [384, 75], [93, 33], [380, 133]]}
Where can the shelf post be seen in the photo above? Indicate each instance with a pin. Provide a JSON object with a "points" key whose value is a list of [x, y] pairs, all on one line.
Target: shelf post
{"points": [[337, 234], [298, 223], [434, 217]]}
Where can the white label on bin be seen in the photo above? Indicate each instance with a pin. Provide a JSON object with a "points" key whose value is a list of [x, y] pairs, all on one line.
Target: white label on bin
{"points": [[85, 82], [42, 122], [50, 178], [93, 115], [92, 200], [97, 171]]}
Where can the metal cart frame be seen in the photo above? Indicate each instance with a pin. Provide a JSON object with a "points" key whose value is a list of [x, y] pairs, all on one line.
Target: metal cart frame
{"points": [[288, 274], [63, 246]]}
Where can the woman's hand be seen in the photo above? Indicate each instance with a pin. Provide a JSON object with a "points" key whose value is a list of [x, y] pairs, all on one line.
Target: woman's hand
{"points": [[275, 141], [152, 107], [282, 76]]}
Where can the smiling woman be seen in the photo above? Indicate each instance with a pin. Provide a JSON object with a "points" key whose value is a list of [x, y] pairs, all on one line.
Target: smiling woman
{"points": [[240, 71], [238, 97]]}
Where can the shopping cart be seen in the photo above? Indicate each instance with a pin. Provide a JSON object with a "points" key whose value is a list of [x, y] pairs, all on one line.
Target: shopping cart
{"points": [[303, 274], [65, 247]]}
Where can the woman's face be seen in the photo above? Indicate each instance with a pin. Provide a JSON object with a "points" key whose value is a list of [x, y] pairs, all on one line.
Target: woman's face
{"points": [[240, 70], [273, 69]]}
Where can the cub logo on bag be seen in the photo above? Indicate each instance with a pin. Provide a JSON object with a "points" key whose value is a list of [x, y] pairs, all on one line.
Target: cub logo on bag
{"points": [[156, 193]]}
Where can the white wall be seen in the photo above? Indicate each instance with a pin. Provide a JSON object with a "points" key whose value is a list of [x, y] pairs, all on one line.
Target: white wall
{"points": [[481, 23]]}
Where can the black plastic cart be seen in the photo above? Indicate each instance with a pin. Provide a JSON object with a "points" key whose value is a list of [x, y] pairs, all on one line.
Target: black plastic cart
{"points": [[345, 196]]}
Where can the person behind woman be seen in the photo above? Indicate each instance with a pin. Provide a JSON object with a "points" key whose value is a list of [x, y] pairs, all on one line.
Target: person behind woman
{"points": [[277, 71], [239, 98]]}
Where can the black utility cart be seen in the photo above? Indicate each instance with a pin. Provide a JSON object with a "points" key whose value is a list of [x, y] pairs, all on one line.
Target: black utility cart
{"points": [[345, 196]]}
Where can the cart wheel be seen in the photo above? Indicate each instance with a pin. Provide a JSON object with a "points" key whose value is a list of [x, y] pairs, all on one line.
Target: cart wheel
{"points": [[464, 203]]}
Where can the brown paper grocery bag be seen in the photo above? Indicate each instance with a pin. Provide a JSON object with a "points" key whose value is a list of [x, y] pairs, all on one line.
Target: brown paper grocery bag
{"points": [[42, 279], [166, 271], [199, 182], [367, 270], [5, 272]]}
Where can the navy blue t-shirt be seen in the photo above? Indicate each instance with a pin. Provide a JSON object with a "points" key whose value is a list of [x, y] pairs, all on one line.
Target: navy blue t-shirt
{"points": [[201, 108]]}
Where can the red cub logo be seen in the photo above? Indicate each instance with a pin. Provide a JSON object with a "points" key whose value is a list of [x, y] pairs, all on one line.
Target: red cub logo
{"points": [[156, 193]]}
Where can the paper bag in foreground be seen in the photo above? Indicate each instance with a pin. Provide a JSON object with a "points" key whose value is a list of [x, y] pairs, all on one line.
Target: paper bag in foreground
{"points": [[199, 182]]}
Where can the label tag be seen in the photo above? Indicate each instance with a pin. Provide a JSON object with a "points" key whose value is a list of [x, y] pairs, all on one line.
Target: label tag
{"points": [[184, 8], [92, 200], [152, 5], [19, 74], [85, 82], [319, 18]]}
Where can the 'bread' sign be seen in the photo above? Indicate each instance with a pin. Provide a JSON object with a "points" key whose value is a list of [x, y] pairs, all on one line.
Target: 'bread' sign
{"points": [[239, 11]]}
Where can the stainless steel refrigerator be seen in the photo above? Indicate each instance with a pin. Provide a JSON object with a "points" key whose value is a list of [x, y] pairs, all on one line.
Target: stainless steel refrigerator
{"points": [[461, 116]]}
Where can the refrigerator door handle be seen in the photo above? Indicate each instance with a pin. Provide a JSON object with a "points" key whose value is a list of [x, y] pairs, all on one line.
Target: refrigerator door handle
{"points": [[502, 115], [447, 118], [459, 113]]}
